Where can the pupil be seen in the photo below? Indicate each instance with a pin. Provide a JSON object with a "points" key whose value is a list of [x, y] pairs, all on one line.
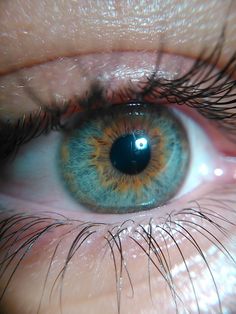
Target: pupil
{"points": [[131, 153]]}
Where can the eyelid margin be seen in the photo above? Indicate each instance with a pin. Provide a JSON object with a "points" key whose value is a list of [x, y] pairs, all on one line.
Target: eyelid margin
{"points": [[166, 88]]}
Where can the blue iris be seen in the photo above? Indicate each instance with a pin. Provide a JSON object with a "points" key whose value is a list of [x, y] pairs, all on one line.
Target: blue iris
{"points": [[126, 160]]}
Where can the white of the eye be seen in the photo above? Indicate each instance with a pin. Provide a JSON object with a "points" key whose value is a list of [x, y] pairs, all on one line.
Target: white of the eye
{"points": [[203, 165], [34, 175]]}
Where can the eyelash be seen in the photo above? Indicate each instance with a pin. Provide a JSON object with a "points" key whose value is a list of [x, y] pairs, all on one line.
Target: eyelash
{"points": [[215, 101], [179, 91], [151, 235]]}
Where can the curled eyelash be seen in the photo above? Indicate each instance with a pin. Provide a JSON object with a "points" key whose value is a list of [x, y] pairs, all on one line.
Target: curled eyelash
{"points": [[212, 93], [26, 230], [215, 100]]}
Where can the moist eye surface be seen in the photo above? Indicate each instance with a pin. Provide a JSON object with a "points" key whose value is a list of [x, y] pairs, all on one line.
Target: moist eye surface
{"points": [[125, 159]]}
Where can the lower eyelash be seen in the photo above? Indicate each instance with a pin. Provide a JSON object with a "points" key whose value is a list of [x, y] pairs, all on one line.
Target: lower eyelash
{"points": [[27, 230]]}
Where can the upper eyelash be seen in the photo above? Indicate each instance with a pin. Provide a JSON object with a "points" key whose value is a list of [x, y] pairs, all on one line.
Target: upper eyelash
{"points": [[215, 101]]}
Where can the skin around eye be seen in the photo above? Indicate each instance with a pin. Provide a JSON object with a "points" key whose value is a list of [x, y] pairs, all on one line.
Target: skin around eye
{"points": [[42, 31], [100, 239], [51, 261]]}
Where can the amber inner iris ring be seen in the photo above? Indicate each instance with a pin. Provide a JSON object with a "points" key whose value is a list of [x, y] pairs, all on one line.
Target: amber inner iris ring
{"points": [[129, 158]]}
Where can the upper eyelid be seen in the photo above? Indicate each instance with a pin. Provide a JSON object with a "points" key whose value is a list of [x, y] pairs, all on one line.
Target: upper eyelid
{"points": [[184, 87], [144, 61], [69, 77], [152, 69], [180, 89]]}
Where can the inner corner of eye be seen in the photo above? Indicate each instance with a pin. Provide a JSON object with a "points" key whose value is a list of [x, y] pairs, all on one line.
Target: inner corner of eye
{"points": [[131, 158]]}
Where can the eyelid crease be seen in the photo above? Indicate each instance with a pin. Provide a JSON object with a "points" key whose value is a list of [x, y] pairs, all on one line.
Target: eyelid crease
{"points": [[212, 93]]}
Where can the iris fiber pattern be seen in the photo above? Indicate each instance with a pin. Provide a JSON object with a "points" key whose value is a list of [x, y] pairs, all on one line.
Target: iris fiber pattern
{"points": [[92, 180]]}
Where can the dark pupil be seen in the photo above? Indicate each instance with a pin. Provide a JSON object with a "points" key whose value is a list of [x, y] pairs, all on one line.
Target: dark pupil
{"points": [[131, 153]]}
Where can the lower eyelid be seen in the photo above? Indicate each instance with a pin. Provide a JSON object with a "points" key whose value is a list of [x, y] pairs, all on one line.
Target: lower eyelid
{"points": [[95, 255]]}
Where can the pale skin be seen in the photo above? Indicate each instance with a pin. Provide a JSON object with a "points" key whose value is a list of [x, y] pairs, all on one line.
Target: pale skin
{"points": [[33, 33]]}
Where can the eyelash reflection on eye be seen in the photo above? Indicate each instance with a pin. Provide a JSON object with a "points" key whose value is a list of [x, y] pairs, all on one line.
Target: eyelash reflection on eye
{"points": [[212, 94]]}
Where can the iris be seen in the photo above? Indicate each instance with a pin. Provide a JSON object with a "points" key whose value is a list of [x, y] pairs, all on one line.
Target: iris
{"points": [[125, 159]]}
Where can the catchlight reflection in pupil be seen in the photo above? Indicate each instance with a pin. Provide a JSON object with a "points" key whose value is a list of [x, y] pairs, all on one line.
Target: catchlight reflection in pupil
{"points": [[130, 158]]}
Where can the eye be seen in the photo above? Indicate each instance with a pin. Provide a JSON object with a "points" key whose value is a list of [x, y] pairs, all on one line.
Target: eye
{"points": [[162, 238], [46, 161], [121, 156], [126, 159]]}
